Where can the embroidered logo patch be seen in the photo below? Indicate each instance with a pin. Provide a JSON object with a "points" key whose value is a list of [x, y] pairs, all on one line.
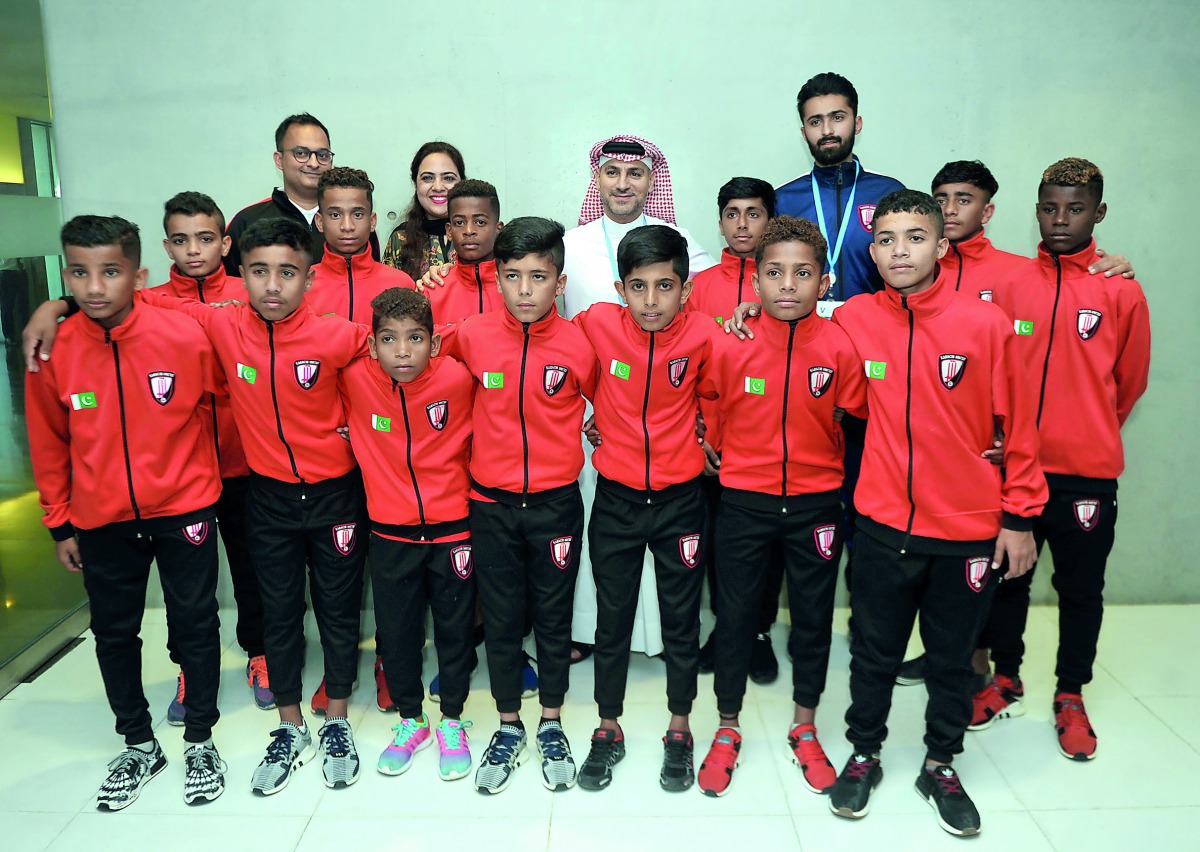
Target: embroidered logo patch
{"points": [[343, 537], [307, 372], [985, 295], [196, 533], [950, 370], [977, 572], [818, 380], [866, 216], [1087, 513], [460, 560], [162, 386], [676, 370], [1087, 323], [560, 550], [436, 412], [554, 376], [689, 549], [824, 537]]}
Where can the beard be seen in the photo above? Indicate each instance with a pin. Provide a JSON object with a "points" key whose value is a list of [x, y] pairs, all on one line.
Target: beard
{"points": [[830, 156]]}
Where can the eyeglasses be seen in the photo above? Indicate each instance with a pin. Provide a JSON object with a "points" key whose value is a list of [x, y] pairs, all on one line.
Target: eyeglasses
{"points": [[324, 155]]}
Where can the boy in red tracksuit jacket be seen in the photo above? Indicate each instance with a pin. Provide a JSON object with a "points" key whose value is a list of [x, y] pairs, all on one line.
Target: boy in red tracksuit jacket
{"points": [[348, 277], [648, 464], [468, 286], [937, 519], [409, 412], [194, 227], [1086, 342], [534, 369], [117, 496], [781, 469]]}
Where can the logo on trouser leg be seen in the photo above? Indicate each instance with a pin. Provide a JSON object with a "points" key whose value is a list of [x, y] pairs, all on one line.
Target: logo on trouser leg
{"points": [[1087, 513], [977, 572], [824, 537], [689, 549], [460, 560], [196, 533], [343, 537], [560, 550]]}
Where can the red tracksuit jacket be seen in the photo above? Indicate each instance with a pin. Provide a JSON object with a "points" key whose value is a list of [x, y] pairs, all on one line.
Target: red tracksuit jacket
{"points": [[117, 428], [717, 291], [283, 384], [1085, 341], [413, 444], [217, 287], [977, 267], [777, 394], [943, 371], [529, 405], [470, 289], [346, 285], [645, 403]]}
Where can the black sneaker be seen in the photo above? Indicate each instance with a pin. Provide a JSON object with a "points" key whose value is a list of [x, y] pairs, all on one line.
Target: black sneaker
{"points": [[912, 672], [851, 793], [708, 655], [606, 752], [678, 768], [956, 813], [764, 668]]}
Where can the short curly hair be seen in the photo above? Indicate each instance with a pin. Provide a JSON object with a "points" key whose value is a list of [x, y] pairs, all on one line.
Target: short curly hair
{"points": [[344, 177], [401, 303], [790, 229], [1075, 171]]}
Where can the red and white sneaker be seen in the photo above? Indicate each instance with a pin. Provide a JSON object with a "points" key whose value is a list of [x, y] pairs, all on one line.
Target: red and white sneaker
{"points": [[383, 698], [816, 770], [1000, 699], [716, 772], [1076, 739]]}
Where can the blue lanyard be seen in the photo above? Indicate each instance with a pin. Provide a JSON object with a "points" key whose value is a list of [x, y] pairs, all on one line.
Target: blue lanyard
{"points": [[612, 255], [835, 250]]}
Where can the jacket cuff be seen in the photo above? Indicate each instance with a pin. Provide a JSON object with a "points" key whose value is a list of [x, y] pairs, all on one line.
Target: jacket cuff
{"points": [[1016, 523], [63, 532]]}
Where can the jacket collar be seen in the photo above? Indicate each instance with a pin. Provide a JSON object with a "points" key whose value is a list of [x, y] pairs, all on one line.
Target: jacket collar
{"points": [[390, 385], [130, 327], [471, 273], [538, 328], [775, 332], [188, 284], [827, 176], [732, 265], [928, 303], [973, 248], [1073, 265], [362, 264]]}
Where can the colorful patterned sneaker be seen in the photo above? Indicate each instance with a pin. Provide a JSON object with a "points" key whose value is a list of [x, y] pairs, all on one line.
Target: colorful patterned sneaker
{"points": [[558, 766], [291, 747], [529, 679], [1076, 739], [455, 759], [176, 712], [256, 676], [716, 772], [127, 774], [956, 813], [816, 770], [320, 700], [340, 766], [503, 754], [383, 698], [608, 747], [912, 672], [412, 735], [1000, 699], [678, 771], [204, 774], [851, 793]]}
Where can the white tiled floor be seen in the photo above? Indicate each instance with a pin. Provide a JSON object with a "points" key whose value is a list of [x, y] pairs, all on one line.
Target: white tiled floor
{"points": [[1142, 790]]}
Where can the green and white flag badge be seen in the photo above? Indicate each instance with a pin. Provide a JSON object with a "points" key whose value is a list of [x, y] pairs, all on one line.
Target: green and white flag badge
{"points": [[381, 424], [493, 380], [1023, 327], [619, 369], [247, 373], [756, 386], [875, 369], [87, 399]]}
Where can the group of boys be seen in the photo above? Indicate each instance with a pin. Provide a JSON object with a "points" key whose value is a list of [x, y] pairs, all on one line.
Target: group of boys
{"points": [[302, 350]]}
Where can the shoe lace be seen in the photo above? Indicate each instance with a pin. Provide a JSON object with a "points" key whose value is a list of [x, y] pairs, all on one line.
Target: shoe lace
{"points": [[810, 750], [452, 735], [676, 750], [601, 749], [502, 747], [128, 761], [949, 782], [336, 739], [179, 689], [200, 760], [722, 752], [554, 743], [258, 671], [859, 768], [1071, 713], [280, 749], [405, 731]]}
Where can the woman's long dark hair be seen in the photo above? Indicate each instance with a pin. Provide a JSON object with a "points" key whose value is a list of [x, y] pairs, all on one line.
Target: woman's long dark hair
{"points": [[412, 252]]}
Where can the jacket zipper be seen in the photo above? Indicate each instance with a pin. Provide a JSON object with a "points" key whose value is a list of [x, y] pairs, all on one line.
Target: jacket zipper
{"points": [[124, 431], [275, 404], [412, 473], [958, 254], [350, 286], [787, 387], [841, 283], [479, 282], [912, 510], [1050, 341], [645, 408], [212, 397], [741, 278], [521, 415]]}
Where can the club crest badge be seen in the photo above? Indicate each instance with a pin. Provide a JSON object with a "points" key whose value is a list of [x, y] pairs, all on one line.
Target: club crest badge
{"points": [[1087, 512], [307, 372], [162, 386], [824, 537], [343, 538], [676, 370], [866, 215], [951, 369], [553, 378], [977, 572], [560, 550], [985, 295], [436, 412], [818, 380], [460, 560], [196, 533], [689, 549], [1087, 323]]}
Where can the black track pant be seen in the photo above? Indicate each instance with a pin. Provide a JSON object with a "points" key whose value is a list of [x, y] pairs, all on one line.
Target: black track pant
{"points": [[1079, 528], [951, 596], [526, 559], [812, 546], [621, 528], [326, 533], [407, 578], [116, 568]]}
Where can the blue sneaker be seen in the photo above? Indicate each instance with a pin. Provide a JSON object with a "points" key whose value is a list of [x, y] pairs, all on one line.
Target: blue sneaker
{"points": [[256, 677], [529, 679], [176, 712]]}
